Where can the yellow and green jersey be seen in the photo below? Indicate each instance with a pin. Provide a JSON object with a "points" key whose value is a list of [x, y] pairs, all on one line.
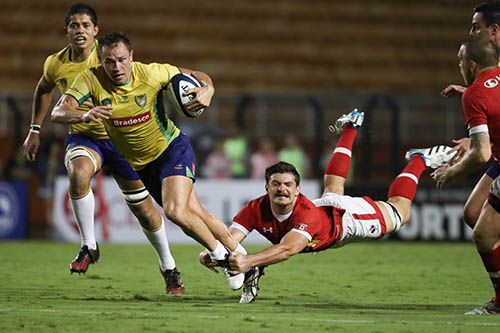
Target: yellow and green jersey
{"points": [[60, 71], [138, 126]]}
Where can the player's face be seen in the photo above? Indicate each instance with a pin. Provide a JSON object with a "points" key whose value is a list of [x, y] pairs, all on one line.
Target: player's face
{"points": [[465, 66], [282, 190], [479, 27], [81, 31], [117, 62]]}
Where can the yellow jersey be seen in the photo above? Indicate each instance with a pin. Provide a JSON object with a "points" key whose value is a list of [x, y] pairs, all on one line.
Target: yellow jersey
{"points": [[59, 70], [138, 126]]}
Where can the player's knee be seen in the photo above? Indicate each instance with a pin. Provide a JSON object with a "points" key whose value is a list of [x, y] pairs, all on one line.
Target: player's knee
{"points": [[175, 214], [470, 215], [78, 158], [79, 182], [480, 239]]}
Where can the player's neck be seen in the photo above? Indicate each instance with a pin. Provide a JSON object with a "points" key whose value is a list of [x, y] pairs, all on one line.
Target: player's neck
{"points": [[282, 209], [482, 70], [80, 55]]}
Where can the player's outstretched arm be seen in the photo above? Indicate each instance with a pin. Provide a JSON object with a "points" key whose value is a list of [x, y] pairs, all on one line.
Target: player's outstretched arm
{"points": [[453, 90], [66, 112], [204, 256], [41, 103], [291, 244], [462, 145], [478, 154]]}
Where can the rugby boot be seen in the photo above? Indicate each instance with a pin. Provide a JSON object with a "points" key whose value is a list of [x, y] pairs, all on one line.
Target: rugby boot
{"points": [[173, 282], [84, 258], [434, 157]]}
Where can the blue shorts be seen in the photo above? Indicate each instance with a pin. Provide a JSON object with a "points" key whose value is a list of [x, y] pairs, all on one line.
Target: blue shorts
{"points": [[176, 160], [493, 170], [110, 156]]}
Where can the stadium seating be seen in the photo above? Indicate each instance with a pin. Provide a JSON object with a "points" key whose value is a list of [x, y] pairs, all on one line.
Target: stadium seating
{"points": [[285, 46]]}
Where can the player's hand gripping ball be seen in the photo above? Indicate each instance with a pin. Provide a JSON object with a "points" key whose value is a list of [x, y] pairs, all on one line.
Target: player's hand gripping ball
{"points": [[178, 85]]}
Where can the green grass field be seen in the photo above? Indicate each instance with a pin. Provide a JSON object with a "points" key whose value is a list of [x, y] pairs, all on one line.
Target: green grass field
{"points": [[369, 287]]}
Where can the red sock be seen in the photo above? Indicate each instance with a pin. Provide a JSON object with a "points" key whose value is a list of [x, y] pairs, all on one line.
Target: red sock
{"points": [[491, 261], [405, 184], [340, 162]]}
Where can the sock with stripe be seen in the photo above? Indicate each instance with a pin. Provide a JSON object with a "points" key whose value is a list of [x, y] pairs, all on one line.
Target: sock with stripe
{"points": [[340, 162], [405, 184], [491, 261]]}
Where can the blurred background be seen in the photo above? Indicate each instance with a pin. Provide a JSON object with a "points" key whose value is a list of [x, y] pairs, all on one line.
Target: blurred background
{"points": [[283, 70]]}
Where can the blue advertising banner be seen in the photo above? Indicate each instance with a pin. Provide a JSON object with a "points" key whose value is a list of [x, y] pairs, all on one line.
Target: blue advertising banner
{"points": [[13, 209]]}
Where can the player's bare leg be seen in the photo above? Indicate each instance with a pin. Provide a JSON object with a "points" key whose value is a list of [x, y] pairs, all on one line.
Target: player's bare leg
{"points": [[476, 200], [81, 164], [486, 237], [182, 207], [140, 203]]}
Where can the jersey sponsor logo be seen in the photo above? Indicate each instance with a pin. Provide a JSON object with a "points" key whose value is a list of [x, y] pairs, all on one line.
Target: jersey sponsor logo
{"points": [[63, 82], [106, 101], [130, 121], [270, 229], [491, 83], [179, 167], [141, 100]]}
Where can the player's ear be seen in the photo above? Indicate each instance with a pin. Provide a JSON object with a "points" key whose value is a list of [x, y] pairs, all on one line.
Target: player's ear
{"points": [[494, 29], [96, 30], [267, 188], [131, 55], [474, 67]]}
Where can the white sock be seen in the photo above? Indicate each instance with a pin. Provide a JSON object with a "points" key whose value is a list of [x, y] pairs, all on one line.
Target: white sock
{"points": [[159, 241], [239, 248], [219, 253], [83, 209]]}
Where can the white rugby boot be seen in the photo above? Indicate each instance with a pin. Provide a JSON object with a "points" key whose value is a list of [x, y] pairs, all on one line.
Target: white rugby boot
{"points": [[354, 118], [251, 284], [488, 309], [235, 282], [434, 157]]}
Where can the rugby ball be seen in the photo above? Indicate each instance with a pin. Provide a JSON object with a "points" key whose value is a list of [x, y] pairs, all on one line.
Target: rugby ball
{"points": [[178, 85]]}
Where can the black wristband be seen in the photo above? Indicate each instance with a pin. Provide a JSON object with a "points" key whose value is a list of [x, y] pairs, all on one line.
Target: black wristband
{"points": [[35, 128]]}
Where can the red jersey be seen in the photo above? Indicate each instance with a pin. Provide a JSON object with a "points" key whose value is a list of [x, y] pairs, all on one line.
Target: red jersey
{"points": [[321, 225], [481, 105]]}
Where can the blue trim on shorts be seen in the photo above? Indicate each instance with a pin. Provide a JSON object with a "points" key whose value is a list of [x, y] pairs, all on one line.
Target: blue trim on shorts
{"points": [[493, 170], [176, 160], [110, 157]]}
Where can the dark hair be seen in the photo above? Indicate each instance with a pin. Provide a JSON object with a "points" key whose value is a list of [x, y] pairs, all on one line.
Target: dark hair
{"points": [[81, 8], [282, 167], [113, 38], [481, 50], [490, 11]]}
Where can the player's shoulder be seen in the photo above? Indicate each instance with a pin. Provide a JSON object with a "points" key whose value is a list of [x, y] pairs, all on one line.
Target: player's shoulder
{"points": [[304, 202], [59, 57]]}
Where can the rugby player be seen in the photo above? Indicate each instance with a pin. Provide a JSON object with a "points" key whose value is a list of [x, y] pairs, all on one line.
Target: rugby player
{"points": [[294, 224], [128, 95], [88, 149], [478, 62], [485, 22]]}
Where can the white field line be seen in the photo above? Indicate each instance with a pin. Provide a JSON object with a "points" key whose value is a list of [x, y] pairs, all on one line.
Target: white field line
{"points": [[256, 318]]}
